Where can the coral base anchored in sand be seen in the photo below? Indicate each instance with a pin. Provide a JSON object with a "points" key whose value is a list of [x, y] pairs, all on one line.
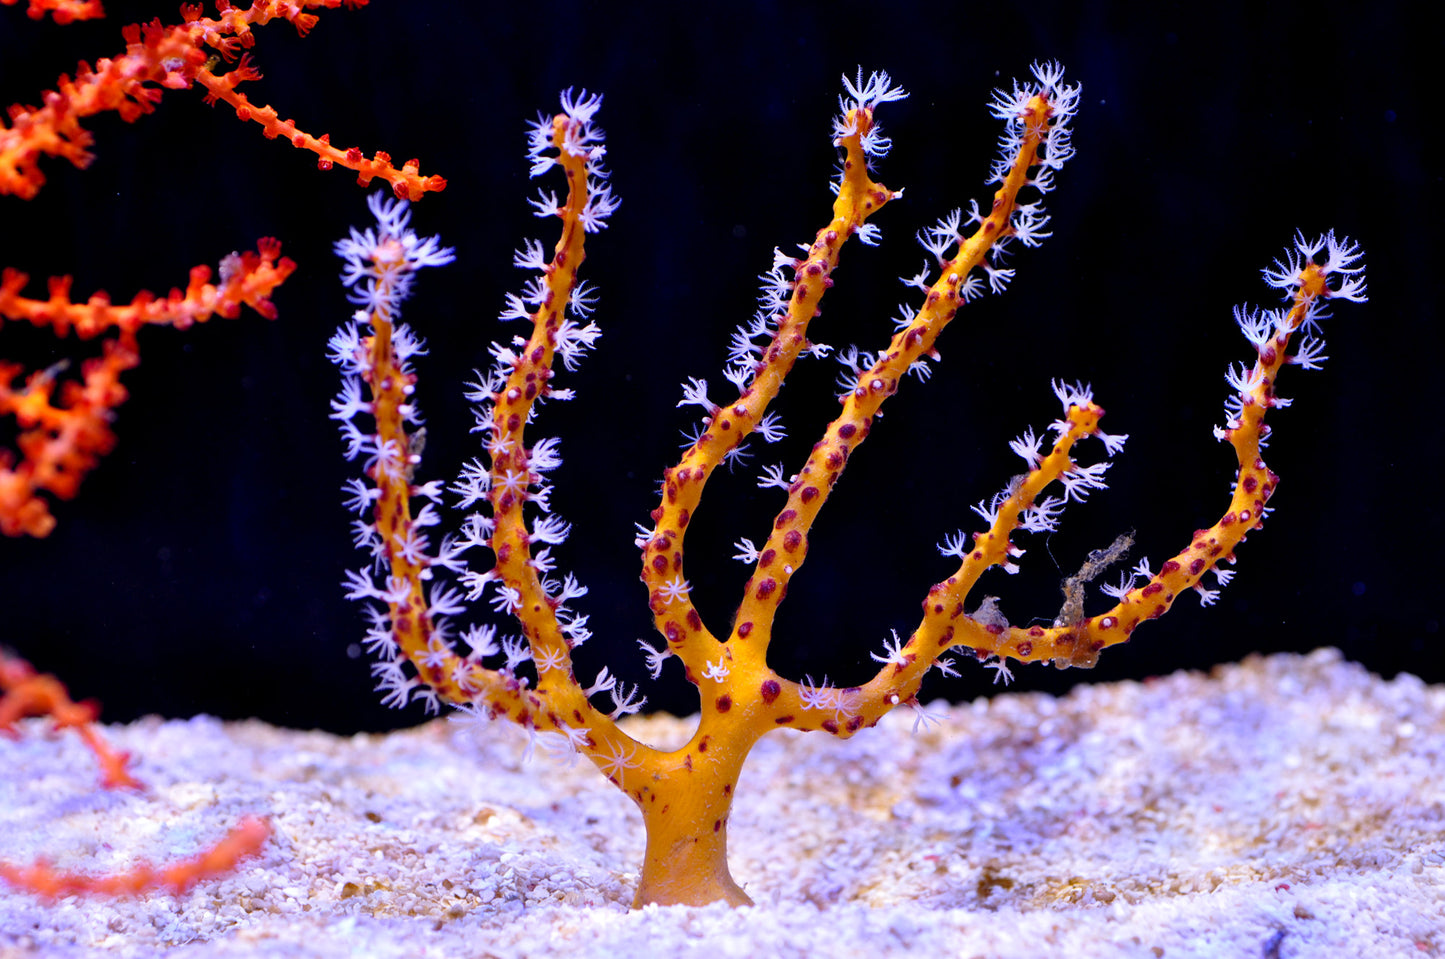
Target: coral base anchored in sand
{"points": [[1289, 799]]}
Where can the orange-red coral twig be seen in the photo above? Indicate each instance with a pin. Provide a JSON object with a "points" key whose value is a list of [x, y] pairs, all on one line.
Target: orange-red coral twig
{"points": [[25, 692], [161, 57], [59, 442], [64, 11], [245, 839]]}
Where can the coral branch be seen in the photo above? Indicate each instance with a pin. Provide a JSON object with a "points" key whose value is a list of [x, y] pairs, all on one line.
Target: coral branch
{"points": [[60, 442], [407, 182], [412, 629], [244, 840], [158, 58], [24, 692], [63, 11], [859, 196], [1309, 286]]}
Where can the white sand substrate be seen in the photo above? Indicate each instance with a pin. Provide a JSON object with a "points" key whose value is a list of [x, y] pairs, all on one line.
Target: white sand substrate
{"points": [[1284, 807]]}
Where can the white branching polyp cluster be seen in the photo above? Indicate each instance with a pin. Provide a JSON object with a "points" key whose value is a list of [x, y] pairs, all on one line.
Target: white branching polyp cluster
{"points": [[1028, 220], [685, 794], [380, 265], [1269, 331]]}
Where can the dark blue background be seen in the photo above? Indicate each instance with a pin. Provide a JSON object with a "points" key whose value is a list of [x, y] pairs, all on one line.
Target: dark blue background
{"points": [[199, 569]]}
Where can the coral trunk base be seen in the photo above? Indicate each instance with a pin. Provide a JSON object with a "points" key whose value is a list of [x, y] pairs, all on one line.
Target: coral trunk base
{"points": [[690, 870]]}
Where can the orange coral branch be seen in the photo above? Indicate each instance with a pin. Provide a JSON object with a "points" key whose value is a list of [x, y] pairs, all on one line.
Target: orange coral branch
{"points": [[157, 58], [728, 426], [24, 692], [407, 183], [60, 442], [244, 840], [415, 606], [63, 11], [1077, 640]]}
